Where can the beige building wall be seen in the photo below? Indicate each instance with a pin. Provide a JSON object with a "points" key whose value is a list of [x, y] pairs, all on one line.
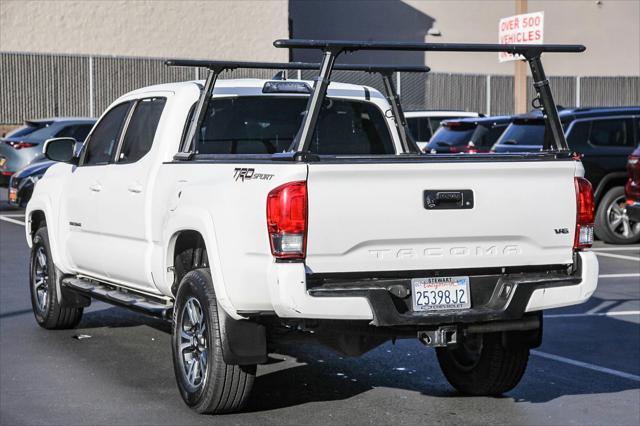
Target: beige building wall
{"points": [[610, 29], [245, 29], [183, 29]]}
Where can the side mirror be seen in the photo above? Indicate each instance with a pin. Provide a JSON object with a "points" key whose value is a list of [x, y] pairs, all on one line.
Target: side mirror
{"points": [[61, 149]]}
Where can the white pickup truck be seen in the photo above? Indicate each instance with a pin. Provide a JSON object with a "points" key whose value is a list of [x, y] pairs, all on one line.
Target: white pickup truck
{"points": [[242, 208]]}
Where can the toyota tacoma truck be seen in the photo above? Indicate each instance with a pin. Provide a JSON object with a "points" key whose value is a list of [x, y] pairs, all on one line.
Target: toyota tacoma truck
{"points": [[247, 211]]}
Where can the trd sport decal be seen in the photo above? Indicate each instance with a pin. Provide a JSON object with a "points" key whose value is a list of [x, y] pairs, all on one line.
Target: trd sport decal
{"points": [[249, 174]]}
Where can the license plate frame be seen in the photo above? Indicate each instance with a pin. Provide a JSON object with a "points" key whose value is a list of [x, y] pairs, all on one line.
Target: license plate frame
{"points": [[427, 290]]}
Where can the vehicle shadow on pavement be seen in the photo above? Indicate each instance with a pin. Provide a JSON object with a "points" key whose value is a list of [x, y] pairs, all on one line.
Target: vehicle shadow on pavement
{"points": [[300, 373], [114, 317]]}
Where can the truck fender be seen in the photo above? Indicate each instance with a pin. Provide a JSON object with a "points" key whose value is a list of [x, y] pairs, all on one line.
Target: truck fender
{"points": [[194, 218], [604, 183]]}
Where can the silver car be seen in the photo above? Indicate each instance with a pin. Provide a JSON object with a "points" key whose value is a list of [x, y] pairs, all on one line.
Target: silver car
{"points": [[24, 145]]}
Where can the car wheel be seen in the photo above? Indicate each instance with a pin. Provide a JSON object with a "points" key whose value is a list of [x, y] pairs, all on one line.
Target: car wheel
{"points": [[47, 307], [481, 365], [207, 384], [612, 224]]}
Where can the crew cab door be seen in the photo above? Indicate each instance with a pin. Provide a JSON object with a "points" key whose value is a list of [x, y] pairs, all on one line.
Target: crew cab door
{"points": [[82, 214], [127, 182]]}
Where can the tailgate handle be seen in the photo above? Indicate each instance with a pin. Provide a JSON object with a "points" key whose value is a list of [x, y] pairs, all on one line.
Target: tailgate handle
{"points": [[448, 199]]}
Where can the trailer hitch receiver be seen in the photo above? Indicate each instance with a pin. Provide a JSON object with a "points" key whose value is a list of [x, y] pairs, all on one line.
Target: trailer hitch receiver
{"points": [[442, 336]]}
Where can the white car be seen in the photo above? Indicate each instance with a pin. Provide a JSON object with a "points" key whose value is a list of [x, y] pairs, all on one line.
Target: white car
{"points": [[249, 210], [423, 124]]}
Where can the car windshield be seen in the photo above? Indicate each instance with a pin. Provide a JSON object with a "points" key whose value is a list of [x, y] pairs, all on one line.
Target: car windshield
{"points": [[269, 124], [422, 128]]}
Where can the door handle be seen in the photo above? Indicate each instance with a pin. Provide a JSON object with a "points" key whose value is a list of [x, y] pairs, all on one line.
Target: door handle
{"points": [[96, 187], [135, 188]]}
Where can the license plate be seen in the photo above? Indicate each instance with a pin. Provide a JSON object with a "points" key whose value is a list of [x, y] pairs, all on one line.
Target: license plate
{"points": [[13, 195], [440, 293], [2, 161]]}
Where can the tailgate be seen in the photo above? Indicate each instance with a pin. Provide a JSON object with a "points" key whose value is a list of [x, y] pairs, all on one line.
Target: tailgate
{"points": [[372, 217]]}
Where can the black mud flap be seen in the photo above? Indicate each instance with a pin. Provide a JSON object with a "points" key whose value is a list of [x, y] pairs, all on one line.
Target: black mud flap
{"points": [[527, 338], [244, 342]]}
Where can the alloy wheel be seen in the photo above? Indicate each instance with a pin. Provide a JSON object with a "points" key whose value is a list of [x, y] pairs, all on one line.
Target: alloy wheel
{"points": [[618, 221], [194, 345], [40, 280]]}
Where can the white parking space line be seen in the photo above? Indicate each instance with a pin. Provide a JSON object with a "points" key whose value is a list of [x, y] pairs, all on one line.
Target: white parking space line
{"points": [[595, 314], [616, 249], [618, 275], [618, 256], [587, 365], [11, 220], [12, 215]]}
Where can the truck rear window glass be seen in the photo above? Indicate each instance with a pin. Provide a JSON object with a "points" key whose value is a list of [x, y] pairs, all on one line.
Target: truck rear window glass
{"points": [[268, 125]]}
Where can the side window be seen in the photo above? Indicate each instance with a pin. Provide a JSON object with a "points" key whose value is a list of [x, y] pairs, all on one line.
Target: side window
{"points": [[141, 130], [105, 137], [579, 134], [614, 132]]}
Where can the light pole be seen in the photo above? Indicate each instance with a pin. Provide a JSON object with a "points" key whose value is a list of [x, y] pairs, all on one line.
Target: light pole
{"points": [[520, 75]]}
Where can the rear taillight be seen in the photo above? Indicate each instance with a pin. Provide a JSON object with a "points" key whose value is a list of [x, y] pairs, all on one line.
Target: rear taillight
{"points": [[584, 214], [20, 145], [287, 220]]}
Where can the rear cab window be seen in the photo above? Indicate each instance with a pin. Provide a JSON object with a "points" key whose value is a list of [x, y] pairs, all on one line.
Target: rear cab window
{"points": [[269, 124]]}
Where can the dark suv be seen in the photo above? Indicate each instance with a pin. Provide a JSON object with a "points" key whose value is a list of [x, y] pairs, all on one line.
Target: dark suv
{"points": [[605, 137]]}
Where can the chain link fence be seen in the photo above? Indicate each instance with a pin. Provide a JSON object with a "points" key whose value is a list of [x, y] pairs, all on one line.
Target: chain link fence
{"points": [[42, 85]]}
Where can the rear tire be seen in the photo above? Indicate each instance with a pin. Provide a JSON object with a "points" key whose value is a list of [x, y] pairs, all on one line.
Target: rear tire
{"points": [[481, 365], [48, 308], [206, 383], [612, 225]]}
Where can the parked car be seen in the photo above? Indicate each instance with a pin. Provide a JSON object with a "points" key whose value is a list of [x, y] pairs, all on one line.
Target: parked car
{"points": [[22, 182], [423, 124], [24, 145], [263, 223], [470, 135], [604, 137], [632, 188]]}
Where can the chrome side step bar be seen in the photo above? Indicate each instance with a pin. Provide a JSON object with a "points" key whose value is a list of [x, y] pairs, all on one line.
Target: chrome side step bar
{"points": [[149, 305]]}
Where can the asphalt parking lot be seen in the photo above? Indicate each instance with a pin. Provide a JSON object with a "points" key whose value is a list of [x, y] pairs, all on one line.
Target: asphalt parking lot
{"points": [[586, 372]]}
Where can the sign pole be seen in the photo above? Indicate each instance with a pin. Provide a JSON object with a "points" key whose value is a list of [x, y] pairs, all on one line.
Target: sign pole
{"points": [[520, 76]]}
